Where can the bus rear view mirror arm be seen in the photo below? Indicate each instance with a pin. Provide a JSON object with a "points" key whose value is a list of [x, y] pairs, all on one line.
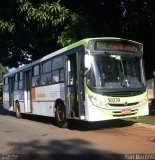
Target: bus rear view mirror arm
{"points": [[85, 73], [87, 62]]}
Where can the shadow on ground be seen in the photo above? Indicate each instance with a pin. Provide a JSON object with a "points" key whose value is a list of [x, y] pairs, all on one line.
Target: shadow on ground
{"points": [[87, 126], [37, 118], [74, 149], [5, 112], [73, 124]]}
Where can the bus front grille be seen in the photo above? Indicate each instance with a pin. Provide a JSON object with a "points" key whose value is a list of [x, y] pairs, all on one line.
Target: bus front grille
{"points": [[120, 114], [123, 105]]}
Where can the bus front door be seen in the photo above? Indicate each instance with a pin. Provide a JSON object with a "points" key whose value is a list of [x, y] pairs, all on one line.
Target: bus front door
{"points": [[80, 81], [27, 91], [74, 85]]}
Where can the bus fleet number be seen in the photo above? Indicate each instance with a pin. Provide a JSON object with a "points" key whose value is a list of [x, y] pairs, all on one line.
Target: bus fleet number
{"points": [[113, 100]]}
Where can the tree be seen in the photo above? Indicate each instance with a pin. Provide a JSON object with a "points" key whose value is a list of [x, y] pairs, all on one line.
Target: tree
{"points": [[3, 70], [138, 22], [30, 29]]}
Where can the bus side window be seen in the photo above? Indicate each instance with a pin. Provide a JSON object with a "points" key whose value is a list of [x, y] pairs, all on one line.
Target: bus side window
{"points": [[62, 76], [20, 80], [6, 85], [55, 76], [46, 73], [16, 82], [36, 76], [58, 69]]}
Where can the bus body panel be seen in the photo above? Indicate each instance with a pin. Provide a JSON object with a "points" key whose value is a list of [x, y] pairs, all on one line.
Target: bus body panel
{"points": [[43, 108], [48, 93], [6, 101], [101, 107], [97, 113], [22, 106], [44, 97]]}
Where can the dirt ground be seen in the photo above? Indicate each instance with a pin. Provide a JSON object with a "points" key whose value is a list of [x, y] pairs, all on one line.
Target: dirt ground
{"points": [[40, 137]]}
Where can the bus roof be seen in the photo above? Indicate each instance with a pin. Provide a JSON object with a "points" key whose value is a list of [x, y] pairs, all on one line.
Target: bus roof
{"points": [[83, 42]]}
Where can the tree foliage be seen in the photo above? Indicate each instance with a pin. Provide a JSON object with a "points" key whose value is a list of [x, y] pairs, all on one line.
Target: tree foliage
{"points": [[43, 14], [30, 29], [3, 70]]}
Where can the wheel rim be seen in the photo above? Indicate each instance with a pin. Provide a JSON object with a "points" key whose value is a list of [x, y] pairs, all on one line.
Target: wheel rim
{"points": [[18, 114], [60, 115]]}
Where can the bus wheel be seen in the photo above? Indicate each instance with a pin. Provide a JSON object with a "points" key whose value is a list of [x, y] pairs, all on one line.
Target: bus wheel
{"points": [[61, 116], [17, 106]]}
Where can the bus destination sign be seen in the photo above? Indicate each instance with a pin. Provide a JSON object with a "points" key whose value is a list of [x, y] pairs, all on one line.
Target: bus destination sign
{"points": [[101, 45]]}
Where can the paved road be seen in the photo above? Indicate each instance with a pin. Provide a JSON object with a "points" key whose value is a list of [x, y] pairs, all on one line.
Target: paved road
{"points": [[39, 136]]}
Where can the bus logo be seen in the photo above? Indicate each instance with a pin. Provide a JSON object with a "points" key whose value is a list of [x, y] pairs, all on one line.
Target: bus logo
{"points": [[127, 83], [126, 103]]}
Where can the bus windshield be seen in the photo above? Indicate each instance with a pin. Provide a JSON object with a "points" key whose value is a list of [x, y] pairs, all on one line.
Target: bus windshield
{"points": [[111, 71]]}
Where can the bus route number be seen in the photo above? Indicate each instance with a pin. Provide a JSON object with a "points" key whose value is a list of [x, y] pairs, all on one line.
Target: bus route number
{"points": [[113, 100]]}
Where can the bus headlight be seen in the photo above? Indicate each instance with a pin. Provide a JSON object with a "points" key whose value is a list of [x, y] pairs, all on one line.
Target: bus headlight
{"points": [[97, 102]]}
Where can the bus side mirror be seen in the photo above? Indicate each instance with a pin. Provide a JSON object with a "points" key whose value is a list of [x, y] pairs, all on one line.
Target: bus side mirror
{"points": [[87, 61]]}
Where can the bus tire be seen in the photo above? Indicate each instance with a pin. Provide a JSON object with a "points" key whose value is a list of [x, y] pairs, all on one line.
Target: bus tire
{"points": [[61, 116], [17, 107]]}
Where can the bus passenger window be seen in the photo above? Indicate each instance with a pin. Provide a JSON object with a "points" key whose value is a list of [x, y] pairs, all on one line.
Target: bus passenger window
{"points": [[16, 82], [46, 79], [55, 76], [20, 81], [36, 76], [58, 69], [46, 73], [62, 76]]}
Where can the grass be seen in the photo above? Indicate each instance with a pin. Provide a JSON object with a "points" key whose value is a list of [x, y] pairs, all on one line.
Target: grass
{"points": [[150, 119], [144, 119]]}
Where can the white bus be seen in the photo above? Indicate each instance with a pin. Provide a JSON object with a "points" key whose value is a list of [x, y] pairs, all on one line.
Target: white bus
{"points": [[94, 79]]}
